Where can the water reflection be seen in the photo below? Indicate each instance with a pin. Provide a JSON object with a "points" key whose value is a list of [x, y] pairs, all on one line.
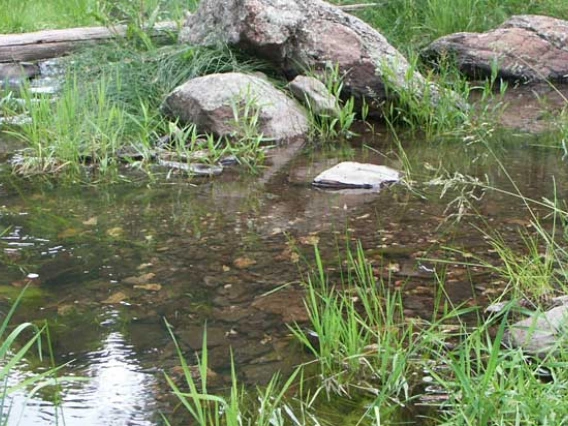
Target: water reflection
{"points": [[216, 252], [115, 394]]}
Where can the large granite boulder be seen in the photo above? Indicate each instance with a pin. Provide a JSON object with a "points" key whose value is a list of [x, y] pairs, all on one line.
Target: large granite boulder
{"points": [[525, 48], [301, 35], [212, 102]]}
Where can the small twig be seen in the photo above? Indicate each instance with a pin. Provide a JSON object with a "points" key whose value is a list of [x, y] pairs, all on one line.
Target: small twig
{"points": [[352, 7]]}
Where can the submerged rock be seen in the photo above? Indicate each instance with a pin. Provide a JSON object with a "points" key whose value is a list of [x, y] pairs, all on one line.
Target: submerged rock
{"points": [[301, 35], [525, 47], [542, 334], [350, 174], [218, 103], [197, 169]]}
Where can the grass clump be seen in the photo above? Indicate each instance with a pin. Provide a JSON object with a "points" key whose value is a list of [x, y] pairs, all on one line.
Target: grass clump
{"points": [[31, 15], [77, 130], [412, 24], [457, 366], [326, 125], [481, 382], [359, 336], [439, 107], [240, 407], [110, 106], [16, 345]]}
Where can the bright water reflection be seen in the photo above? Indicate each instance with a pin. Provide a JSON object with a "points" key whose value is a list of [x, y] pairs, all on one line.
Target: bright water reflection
{"points": [[115, 393]]}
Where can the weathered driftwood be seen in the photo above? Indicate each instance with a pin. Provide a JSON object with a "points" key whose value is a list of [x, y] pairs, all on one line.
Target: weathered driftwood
{"points": [[54, 43]]}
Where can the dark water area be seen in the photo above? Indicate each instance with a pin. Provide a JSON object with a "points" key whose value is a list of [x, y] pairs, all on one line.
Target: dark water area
{"points": [[107, 266]]}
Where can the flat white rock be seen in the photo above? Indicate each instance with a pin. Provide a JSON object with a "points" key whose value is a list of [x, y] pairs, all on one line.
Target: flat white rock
{"points": [[350, 174]]}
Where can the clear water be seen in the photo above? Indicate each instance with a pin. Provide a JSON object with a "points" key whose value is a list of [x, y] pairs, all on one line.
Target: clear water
{"points": [[217, 251]]}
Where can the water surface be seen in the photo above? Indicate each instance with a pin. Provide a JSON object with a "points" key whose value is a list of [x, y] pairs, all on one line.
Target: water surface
{"points": [[114, 263]]}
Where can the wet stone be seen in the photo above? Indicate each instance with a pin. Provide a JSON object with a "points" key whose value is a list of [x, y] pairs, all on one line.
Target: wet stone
{"points": [[315, 95], [232, 313], [235, 292], [287, 303], [350, 174], [193, 336], [211, 281]]}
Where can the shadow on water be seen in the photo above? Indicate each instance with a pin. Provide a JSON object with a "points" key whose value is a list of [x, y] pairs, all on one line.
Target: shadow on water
{"points": [[113, 263]]}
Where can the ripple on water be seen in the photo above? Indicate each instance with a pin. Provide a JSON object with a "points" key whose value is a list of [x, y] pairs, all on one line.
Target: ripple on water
{"points": [[115, 392]]}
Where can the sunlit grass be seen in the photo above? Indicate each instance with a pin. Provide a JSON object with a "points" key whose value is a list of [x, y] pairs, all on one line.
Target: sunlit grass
{"points": [[110, 104], [33, 15]]}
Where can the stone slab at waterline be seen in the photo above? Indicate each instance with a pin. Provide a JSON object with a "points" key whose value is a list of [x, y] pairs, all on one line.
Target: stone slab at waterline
{"points": [[525, 47], [211, 103], [302, 35], [350, 174]]}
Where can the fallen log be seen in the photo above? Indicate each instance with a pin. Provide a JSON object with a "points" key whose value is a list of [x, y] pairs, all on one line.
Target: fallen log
{"points": [[54, 43]]}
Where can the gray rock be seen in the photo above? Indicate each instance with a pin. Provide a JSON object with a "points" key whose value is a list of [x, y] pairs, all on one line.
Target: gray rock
{"points": [[16, 73], [541, 334], [314, 94], [525, 47], [210, 103], [350, 174], [197, 169], [300, 35]]}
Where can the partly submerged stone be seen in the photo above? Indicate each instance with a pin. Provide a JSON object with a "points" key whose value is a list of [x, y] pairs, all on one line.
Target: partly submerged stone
{"points": [[196, 169], [350, 174], [301, 35], [228, 104], [314, 95], [525, 47], [542, 334]]}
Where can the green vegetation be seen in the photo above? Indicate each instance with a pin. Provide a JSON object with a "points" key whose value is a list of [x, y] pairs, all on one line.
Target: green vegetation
{"points": [[33, 15], [364, 347], [327, 127], [113, 109], [16, 346], [368, 351], [108, 113], [412, 24], [209, 409]]}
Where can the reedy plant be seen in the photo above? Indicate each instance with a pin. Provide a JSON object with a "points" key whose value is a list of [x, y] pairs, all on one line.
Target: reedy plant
{"points": [[481, 382], [362, 341], [246, 142], [12, 355], [330, 126], [109, 103], [71, 132], [237, 408], [538, 269]]}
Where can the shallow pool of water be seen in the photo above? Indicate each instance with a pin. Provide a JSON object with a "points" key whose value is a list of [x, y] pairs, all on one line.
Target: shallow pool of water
{"points": [[115, 263]]}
